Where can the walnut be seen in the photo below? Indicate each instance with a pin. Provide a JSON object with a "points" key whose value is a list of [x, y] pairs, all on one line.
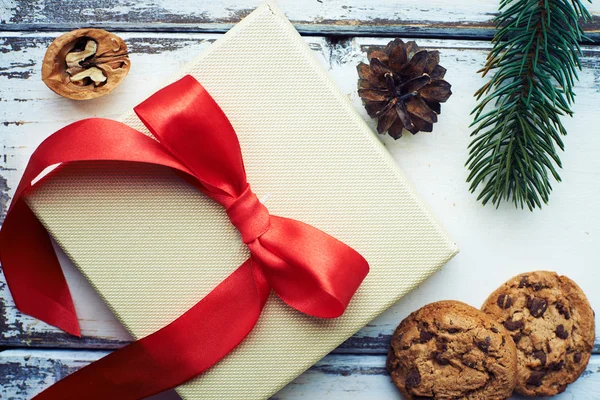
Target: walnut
{"points": [[85, 64]]}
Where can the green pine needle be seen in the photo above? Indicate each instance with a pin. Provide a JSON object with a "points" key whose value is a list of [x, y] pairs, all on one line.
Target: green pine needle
{"points": [[535, 58]]}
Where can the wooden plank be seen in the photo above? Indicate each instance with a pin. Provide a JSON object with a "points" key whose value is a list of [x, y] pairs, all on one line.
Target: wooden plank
{"points": [[24, 373], [436, 18], [495, 244]]}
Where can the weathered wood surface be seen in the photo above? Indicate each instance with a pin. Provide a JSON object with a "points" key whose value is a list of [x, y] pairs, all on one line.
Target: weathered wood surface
{"points": [[495, 244], [334, 377], [460, 18]]}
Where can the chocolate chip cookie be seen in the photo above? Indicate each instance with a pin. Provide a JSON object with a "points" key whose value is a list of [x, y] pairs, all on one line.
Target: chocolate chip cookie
{"points": [[552, 324], [450, 350]]}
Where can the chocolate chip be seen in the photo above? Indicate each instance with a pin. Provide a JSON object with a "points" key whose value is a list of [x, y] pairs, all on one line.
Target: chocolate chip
{"points": [[563, 310], [504, 301], [453, 330], [439, 358], [540, 355], [537, 286], [537, 306], [561, 332], [535, 379], [485, 345], [516, 338], [423, 398], [425, 337], [513, 325], [577, 357], [413, 378], [494, 330], [524, 282], [557, 366]]}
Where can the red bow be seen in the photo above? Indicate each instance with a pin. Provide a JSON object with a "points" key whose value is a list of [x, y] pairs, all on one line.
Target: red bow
{"points": [[310, 270]]}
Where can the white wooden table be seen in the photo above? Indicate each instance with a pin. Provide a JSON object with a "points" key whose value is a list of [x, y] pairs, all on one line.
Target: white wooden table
{"points": [[163, 35]]}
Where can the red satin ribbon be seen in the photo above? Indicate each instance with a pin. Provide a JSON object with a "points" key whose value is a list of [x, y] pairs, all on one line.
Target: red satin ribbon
{"points": [[310, 270]]}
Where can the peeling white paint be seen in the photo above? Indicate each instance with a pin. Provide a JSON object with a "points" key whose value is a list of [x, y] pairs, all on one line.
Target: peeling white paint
{"points": [[6, 10], [313, 17], [304, 11], [340, 377]]}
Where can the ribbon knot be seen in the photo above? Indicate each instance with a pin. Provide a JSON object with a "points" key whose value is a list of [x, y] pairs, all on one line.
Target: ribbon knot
{"points": [[249, 216], [310, 270]]}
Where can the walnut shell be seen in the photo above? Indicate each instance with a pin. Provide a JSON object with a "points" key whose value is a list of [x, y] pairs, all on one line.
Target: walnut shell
{"points": [[93, 70]]}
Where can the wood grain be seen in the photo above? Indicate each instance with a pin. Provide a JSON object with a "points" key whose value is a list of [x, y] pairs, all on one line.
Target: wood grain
{"points": [[434, 18], [24, 373], [496, 243]]}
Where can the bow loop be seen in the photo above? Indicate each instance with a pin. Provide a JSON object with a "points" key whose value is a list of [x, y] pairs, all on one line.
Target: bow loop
{"points": [[191, 125], [249, 216]]}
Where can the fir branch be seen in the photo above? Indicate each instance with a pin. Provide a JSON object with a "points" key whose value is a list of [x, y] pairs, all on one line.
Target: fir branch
{"points": [[535, 58]]}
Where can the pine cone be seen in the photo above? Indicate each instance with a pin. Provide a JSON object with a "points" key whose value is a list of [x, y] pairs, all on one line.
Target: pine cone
{"points": [[403, 87]]}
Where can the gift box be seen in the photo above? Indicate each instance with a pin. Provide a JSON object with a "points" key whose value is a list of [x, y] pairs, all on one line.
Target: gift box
{"points": [[152, 245]]}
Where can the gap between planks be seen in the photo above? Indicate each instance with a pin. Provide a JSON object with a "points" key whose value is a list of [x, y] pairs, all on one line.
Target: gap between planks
{"points": [[343, 31], [464, 32]]}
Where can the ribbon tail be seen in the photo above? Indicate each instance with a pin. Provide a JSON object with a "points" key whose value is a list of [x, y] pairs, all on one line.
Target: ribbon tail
{"points": [[33, 272], [178, 352]]}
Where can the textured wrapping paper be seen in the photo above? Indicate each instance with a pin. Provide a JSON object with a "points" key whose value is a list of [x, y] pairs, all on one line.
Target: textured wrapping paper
{"points": [[152, 245]]}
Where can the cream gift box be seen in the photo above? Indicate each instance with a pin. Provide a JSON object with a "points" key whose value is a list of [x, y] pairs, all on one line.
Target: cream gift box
{"points": [[152, 245]]}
